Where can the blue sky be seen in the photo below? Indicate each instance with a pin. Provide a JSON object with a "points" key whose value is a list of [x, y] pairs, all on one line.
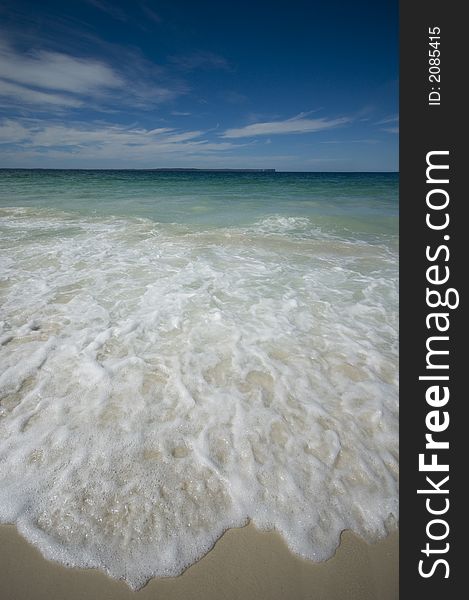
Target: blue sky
{"points": [[295, 86]]}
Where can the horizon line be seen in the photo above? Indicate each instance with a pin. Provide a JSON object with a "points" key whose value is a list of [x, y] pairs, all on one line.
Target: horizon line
{"points": [[180, 169]]}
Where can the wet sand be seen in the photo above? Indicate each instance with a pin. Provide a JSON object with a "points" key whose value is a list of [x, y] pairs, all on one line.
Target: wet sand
{"points": [[245, 564]]}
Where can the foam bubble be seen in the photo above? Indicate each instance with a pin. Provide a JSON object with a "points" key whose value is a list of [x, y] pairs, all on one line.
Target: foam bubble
{"points": [[162, 383]]}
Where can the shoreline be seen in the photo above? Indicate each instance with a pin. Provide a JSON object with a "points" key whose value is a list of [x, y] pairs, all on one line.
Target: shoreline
{"points": [[245, 564]]}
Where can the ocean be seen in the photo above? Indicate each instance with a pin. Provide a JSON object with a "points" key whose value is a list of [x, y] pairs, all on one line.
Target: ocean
{"points": [[185, 352]]}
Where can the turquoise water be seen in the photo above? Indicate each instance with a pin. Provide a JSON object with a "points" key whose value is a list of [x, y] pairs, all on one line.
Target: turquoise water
{"points": [[362, 202], [183, 352]]}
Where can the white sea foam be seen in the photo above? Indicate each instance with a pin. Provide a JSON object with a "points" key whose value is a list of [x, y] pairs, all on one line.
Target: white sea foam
{"points": [[161, 384]]}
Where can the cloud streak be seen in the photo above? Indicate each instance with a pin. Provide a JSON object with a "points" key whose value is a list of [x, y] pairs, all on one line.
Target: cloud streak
{"points": [[42, 78], [386, 120], [102, 142], [109, 8], [57, 71], [150, 13], [294, 125], [20, 95]]}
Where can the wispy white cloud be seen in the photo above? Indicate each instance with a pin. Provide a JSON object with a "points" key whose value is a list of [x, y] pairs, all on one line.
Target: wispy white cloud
{"points": [[13, 132], [132, 17], [109, 8], [118, 13], [389, 119], [56, 71], [104, 142], [44, 78], [150, 13], [21, 95], [295, 125], [185, 136]]}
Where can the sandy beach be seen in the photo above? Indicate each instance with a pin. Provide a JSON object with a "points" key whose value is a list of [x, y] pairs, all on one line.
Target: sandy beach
{"points": [[245, 563]]}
